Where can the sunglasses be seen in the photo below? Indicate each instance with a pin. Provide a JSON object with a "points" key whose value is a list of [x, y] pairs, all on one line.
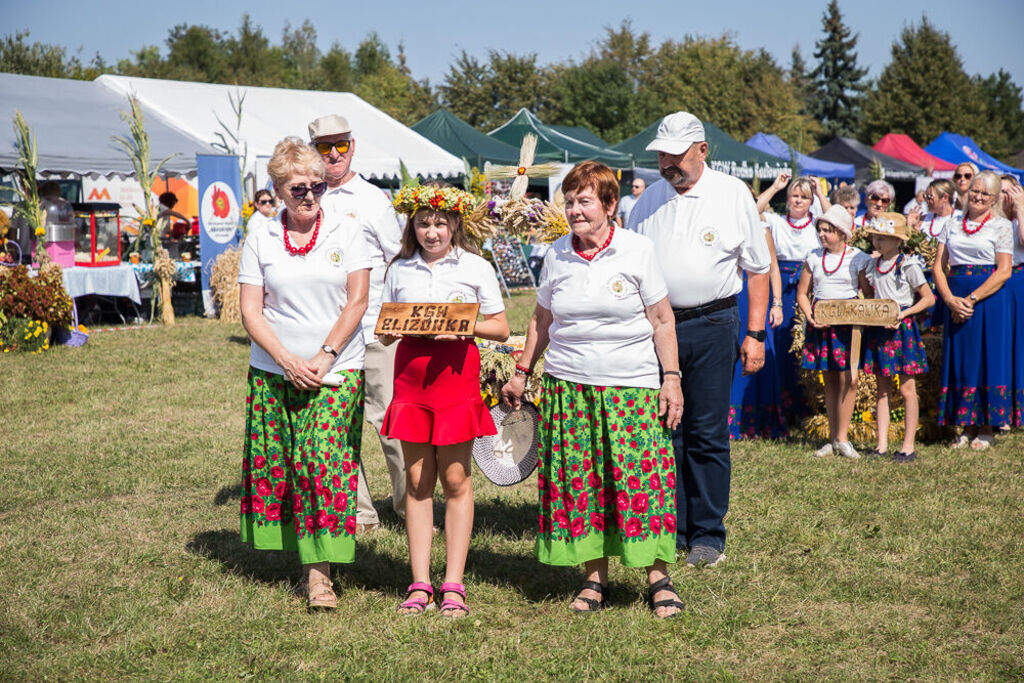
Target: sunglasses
{"points": [[300, 191], [961, 176], [325, 148], [879, 198], [265, 201], [980, 192]]}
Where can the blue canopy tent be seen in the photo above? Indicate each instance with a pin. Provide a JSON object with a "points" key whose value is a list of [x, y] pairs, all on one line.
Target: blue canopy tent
{"points": [[958, 149], [776, 146]]}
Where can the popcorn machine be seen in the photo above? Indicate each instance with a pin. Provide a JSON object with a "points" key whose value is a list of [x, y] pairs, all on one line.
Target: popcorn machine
{"points": [[99, 234]]}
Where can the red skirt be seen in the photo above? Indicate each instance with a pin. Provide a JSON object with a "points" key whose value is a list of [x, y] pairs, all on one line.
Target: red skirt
{"points": [[437, 393]]}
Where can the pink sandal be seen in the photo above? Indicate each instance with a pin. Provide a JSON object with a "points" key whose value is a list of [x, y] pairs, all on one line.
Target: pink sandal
{"points": [[418, 604], [451, 608]]}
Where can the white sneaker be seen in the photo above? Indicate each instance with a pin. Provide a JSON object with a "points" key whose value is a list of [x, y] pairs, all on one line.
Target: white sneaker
{"points": [[824, 451], [845, 450]]}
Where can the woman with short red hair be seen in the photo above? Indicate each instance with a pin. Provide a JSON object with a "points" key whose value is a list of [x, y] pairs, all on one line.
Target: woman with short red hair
{"points": [[607, 470]]}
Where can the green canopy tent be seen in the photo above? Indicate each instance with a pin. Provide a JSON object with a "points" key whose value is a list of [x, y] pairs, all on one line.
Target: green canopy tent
{"points": [[554, 145], [724, 154], [457, 137], [580, 133]]}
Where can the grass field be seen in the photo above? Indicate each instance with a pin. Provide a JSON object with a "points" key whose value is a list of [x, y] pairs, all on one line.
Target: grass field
{"points": [[120, 465]]}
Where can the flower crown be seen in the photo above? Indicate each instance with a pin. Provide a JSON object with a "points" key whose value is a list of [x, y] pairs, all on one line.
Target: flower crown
{"points": [[411, 199]]}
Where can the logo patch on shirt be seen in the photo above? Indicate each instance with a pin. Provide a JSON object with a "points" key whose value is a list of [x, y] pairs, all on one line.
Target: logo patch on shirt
{"points": [[619, 286], [709, 237], [459, 296], [334, 256]]}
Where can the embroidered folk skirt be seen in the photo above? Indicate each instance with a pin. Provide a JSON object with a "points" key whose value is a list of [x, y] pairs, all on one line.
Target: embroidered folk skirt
{"points": [[1016, 285], [300, 467], [891, 352], [756, 406], [977, 368], [827, 348], [606, 479], [790, 391], [437, 393]]}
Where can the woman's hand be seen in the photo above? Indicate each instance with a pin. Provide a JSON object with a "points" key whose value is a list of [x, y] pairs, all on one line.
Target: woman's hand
{"points": [[814, 323], [322, 363], [915, 218], [512, 392], [962, 309], [388, 339], [781, 181], [775, 316], [670, 401], [300, 372]]}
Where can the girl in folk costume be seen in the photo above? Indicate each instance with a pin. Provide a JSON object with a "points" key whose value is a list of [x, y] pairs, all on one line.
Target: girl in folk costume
{"points": [[836, 272], [1013, 207], [896, 351], [437, 410], [977, 363], [794, 238]]}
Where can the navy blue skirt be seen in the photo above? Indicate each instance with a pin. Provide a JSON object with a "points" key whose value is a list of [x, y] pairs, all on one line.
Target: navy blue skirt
{"points": [[891, 352], [1017, 292], [790, 390], [756, 407], [977, 362]]}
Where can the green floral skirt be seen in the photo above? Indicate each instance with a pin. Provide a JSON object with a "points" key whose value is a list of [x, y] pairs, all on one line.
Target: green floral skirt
{"points": [[606, 479], [300, 470]]}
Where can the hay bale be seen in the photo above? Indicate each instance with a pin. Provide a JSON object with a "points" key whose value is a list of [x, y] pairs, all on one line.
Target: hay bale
{"points": [[224, 285]]}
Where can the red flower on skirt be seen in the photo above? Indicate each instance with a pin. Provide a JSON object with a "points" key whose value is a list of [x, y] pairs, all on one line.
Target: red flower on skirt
{"points": [[341, 501], [597, 521], [670, 522], [581, 502], [274, 511], [577, 527], [622, 500], [277, 471], [263, 487], [639, 503], [655, 524], [634, 482], [561, 519], [350, 524], [633, 527]]}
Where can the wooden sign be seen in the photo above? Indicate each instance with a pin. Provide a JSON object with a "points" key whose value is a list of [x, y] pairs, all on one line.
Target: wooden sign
{"points": [[427, 319], [874, 312]]}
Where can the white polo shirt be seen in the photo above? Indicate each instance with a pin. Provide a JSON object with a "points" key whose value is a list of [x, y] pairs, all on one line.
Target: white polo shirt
{"points": [[704, 237], [303, 295], [460, 277], [382, 228], [978, 248], [841, 282], [792, 244], [600, 334]]}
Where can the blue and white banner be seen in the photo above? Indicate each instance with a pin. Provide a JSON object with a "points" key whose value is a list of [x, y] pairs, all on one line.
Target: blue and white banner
{"points": [[220, 213]]}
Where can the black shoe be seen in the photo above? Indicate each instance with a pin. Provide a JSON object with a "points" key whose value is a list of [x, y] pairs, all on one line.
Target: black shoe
{"points": [[664, 584], [905, 457], [878, 454], [594, 605]]}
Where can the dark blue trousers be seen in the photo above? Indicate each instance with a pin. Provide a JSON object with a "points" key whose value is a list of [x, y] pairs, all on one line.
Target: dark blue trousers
{"points": [[708, 349]]}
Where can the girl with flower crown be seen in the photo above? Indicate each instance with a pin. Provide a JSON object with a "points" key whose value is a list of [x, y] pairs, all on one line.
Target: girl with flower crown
{"points": [[437, 409], [897, 351], [836, 272]]}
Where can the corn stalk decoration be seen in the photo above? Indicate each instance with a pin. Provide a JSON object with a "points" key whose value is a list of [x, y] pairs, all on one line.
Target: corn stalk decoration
{"points": [[230, 142], [138, 151], [26, 185]]}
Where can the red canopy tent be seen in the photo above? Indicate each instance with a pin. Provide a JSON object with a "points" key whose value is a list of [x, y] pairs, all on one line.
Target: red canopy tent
{"points": [[902, 147]]}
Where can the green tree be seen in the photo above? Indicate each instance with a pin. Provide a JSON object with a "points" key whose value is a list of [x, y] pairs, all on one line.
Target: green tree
{"points": [[389, 86], [1003, 98], [838, 81], [800, 80], [613, 116], [488, 95], [251, 59], [465, 91], [337, 71], [18, 56], [196, 53], [301, 57]]}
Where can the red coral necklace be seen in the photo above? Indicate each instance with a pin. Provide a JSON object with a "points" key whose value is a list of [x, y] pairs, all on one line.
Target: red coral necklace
{"points": [[981, 224], [300, 251], [577, 246], [878, 265], [799, 227], [838, 265]]}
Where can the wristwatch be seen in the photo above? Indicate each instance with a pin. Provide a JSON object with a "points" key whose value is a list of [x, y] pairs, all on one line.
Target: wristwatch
{"points": [[327, 349], [758, 335], [973, 298]]}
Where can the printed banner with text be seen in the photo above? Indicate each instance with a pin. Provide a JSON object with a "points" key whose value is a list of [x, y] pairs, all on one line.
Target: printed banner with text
{"points": [[220, 213]]}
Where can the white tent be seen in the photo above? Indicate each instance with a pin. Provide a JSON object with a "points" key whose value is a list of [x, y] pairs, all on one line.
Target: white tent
{"points": [[270, 114]]}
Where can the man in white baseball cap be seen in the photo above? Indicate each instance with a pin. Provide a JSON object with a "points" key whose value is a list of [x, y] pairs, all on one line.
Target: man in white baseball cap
{"points": [[349, 194], [706, 229]]}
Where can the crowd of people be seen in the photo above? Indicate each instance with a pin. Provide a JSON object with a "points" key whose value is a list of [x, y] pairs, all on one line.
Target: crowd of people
{"points": [[646, 320]]}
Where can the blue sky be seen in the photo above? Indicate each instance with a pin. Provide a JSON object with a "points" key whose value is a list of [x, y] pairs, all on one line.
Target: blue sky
{"points": [[987, 33]]}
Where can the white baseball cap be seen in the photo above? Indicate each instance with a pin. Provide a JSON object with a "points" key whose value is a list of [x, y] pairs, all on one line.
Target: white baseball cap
{"points": [[676, 133]]}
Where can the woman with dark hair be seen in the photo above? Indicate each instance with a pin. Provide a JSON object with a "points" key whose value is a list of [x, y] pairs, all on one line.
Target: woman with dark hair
{"points": [[607, 472], [265, 209], [977, 250]]}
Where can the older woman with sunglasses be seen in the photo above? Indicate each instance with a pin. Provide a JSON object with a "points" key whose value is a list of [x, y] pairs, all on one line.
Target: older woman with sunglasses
{"points": [[976, 379], [303, 282], [878, 196]]}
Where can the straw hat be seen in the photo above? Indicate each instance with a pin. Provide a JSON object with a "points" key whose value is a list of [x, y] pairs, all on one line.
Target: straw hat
{"points": [[889, 224], [511, 455]]}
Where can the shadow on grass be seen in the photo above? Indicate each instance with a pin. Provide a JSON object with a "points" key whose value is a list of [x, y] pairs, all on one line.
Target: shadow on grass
{"points": [[227, 494], [236, 339]]}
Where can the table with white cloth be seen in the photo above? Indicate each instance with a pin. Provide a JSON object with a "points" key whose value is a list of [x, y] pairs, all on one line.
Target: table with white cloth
{"points": [[109, 281]]}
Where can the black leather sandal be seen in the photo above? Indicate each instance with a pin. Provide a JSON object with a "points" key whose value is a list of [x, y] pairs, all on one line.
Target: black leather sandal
{"points": [[664, 584], [595, 605]]}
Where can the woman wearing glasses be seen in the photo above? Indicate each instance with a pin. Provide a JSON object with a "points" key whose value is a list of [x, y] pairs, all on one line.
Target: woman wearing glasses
{"points": [[977, 367], [305, 402], [962, 177], [265, 210], [878, 195], [939, 199]]}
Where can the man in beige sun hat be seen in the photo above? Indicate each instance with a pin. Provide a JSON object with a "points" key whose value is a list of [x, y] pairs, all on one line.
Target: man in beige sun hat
{"points": [[349, 194]]}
